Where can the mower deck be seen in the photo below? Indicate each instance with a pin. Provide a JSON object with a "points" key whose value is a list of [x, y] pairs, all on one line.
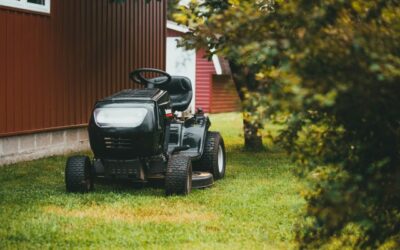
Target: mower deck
{"points": [[201, 180]]}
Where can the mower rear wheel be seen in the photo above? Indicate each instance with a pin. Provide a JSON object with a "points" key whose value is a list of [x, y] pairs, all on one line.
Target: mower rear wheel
{"points": [[178, 179], [78, 174], [213, 159]]}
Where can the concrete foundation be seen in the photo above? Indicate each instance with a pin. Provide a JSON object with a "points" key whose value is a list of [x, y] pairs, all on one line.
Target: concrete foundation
{"points": [[30, 147]]}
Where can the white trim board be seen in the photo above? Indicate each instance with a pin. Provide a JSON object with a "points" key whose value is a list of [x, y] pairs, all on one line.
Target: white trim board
{"points": [[217, 65], [174, 26], [24, 4]]}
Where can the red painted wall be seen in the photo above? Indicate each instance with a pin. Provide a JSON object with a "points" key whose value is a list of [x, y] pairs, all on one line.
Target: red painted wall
{"points": [[224, 97], [204, 71], [173, 33], [54, 67]]}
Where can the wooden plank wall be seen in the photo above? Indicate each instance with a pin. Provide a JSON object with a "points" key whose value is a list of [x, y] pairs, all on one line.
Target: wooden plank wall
{"points": [[204, 71], [54, 67], [224, 97]]}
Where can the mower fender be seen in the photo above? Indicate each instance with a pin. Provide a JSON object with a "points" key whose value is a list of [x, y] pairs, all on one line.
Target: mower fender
{"points": [[191, 134]]}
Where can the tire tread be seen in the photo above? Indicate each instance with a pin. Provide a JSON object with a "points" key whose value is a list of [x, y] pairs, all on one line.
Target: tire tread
{"points": [[75, 174], [178, 169], [209, 160]]}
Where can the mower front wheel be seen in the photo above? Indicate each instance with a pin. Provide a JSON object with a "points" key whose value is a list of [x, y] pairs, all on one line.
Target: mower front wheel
{"points": [[78, 174], [178, 179], [213, 159]]}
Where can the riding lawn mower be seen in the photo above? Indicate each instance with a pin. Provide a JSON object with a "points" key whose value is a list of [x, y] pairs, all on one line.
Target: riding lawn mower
{"points": [[140, 135]]}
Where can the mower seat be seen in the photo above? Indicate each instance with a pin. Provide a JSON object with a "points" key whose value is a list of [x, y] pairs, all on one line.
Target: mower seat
{"points": [[180, 92]]}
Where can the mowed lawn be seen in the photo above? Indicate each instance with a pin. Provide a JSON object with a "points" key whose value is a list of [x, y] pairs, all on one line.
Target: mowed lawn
{"points": [[257, 206]]}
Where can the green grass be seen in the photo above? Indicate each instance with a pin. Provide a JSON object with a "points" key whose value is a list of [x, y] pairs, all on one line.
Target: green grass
{"points": [[256, 206]]}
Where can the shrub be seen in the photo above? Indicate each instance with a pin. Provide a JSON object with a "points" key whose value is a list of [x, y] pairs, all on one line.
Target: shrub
{"points": [[329, 72]]}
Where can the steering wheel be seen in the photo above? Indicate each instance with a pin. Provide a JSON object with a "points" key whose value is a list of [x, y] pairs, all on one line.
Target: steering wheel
{"points": [[137, 76]]}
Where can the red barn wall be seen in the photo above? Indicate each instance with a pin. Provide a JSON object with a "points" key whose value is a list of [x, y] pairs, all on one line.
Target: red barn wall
{"points": [[204, 71], [53, 67], [173, 33], [224, 97]]}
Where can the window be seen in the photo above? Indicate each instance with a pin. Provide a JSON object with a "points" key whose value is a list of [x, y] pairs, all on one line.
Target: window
{"points": [[33, 5]]}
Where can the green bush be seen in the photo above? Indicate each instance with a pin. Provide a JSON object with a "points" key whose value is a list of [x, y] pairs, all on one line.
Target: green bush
{"points": [[329, 72]]}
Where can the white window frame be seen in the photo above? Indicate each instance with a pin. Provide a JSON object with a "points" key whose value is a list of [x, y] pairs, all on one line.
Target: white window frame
{"points": [[23, 4]]}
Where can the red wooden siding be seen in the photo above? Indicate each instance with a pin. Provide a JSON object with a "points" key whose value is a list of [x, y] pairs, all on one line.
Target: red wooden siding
{"points": [[54, 67], [224, 97], [204, 71], [174, 33]]}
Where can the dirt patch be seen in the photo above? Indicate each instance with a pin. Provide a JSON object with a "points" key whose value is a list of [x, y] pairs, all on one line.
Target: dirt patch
{"points": [[131, 215]]}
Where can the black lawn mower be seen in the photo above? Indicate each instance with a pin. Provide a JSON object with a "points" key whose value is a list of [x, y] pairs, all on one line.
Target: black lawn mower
{"points": [[141, 135]]}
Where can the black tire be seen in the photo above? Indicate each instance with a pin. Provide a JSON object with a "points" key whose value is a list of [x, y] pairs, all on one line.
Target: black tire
{"points": [[178, 179], [78, 174], [210, 161], [202, 180]]}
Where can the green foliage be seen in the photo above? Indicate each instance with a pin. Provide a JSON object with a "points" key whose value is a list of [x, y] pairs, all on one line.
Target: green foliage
{"points": [[173, 6], [329, 72], [231, 29], [37, 213]]}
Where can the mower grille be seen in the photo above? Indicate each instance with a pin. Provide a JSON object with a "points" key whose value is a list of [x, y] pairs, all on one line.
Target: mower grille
{"points": [[121, 168], [117, 143]]}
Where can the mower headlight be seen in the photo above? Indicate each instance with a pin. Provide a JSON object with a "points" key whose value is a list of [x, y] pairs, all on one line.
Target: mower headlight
{"points": [[119, 117]]}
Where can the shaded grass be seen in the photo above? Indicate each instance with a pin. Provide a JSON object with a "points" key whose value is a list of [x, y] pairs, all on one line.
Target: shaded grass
{"points": [[256, 206]]}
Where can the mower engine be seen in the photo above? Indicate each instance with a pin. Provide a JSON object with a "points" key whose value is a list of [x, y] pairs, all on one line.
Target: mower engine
{"points": [[130, 124]]}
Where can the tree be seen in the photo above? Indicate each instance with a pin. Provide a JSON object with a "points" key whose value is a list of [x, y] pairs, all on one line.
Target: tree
{"points": [[329, 73], [207, 19], [172, 8]]}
